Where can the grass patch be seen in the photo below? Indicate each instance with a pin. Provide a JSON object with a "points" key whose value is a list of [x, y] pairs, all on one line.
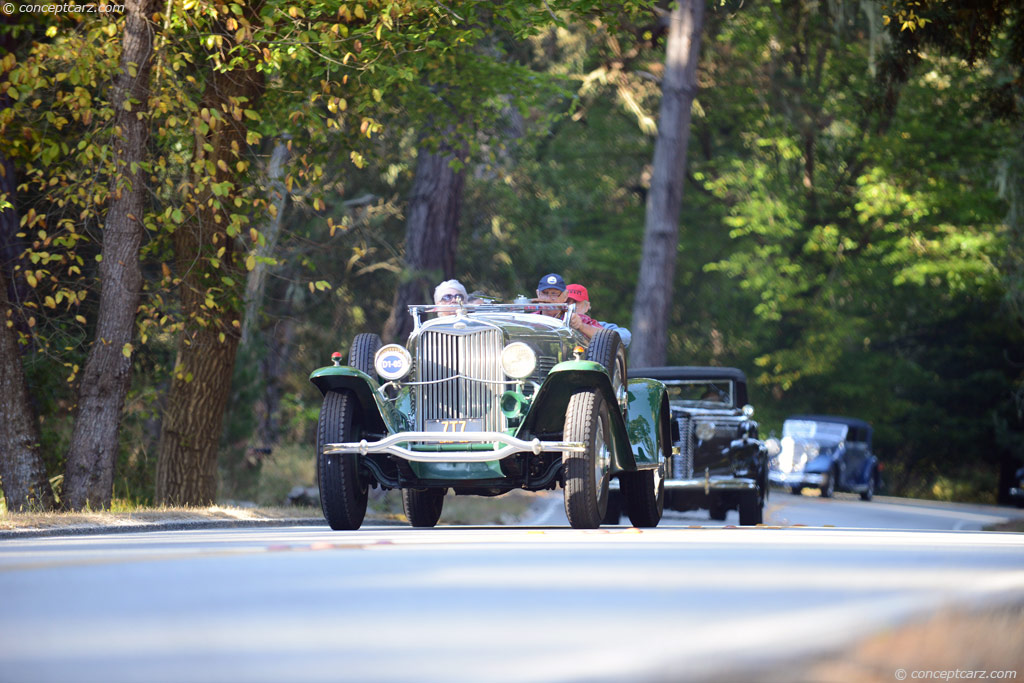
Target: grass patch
{"points": [[142, 516], [1009, 525]]}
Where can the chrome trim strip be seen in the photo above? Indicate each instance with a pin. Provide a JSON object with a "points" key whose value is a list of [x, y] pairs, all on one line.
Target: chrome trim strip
{"points": [[714, 483], [391, 445]]}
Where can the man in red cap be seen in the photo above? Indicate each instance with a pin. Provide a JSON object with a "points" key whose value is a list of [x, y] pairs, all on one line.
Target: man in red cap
{"points": [[578, 295]]}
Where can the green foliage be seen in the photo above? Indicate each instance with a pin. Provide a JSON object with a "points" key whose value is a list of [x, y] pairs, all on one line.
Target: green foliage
{"points": [[850, 257]]}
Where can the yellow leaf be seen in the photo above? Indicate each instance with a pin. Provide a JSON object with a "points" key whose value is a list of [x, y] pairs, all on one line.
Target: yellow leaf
{"points": [[250, 262], [126, 350], [80, 318], [359, 12], [221, 165], [31, 278]]}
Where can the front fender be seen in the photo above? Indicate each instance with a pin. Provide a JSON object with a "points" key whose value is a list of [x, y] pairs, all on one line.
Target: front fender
{"points": [[547, 411], [377, 415], [649, 426]]}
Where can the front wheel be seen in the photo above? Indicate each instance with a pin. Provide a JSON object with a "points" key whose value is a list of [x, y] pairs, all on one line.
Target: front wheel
{"points": [[644, 496], [828, 489], [751, 510], [423, 507], [343, 496], [869, 492], [586, 474]]}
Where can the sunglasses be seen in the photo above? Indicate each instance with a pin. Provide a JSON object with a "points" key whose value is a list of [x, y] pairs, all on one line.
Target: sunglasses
{"points": [[451, 299]]}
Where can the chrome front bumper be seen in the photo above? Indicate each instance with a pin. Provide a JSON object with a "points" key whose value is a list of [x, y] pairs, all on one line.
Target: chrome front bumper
{"points": [[397, 445], [796, 478], [711, 483]]}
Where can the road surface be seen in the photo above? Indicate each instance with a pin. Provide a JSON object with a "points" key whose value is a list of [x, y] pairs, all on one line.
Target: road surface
{"points": [[475, 604]]}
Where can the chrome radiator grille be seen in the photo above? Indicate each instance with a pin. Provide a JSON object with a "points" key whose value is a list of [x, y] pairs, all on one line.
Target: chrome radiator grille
{"points": [[682, 466], [475, 356]]}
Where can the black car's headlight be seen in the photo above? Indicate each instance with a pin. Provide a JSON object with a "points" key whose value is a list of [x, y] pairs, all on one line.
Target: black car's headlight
{"points": [[705, 430]]}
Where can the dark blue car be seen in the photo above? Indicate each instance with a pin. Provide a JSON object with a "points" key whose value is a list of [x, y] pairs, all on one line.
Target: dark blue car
{"points": [[826, 452]]}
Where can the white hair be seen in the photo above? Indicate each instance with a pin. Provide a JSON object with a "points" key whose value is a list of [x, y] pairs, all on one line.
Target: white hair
{"points": [[450, 287]]}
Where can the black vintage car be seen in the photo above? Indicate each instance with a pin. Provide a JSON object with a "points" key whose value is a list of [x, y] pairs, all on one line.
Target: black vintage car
{"points": [[827, 452], [718, 462]]}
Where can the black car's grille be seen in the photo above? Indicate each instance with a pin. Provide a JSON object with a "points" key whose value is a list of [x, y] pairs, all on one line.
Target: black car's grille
{"points": [[475, 355], [682, 465], [544, 365]]}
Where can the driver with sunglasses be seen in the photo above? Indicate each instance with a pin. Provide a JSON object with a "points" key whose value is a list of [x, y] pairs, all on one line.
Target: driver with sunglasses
{"points": [[448, 296]]}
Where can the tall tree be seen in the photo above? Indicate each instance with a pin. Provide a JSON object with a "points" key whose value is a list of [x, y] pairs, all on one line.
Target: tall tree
{"points": [[653, 303], [205, 253], [89, 477], [432, 231], [22, 473]]}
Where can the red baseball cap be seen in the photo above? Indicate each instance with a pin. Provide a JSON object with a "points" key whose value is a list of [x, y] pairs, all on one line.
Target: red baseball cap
{"points": [[577, 293]]}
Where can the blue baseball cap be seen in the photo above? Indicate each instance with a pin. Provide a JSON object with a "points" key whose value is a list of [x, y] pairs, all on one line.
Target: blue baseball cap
{"points": [[551, 281]]}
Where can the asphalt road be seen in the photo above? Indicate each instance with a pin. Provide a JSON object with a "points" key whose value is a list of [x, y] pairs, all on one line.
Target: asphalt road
{"points": [[683, 601]]}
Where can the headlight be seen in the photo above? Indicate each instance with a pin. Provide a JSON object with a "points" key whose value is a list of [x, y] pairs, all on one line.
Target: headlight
{"points": [[392, 361], [705, 430], [518, 360]]}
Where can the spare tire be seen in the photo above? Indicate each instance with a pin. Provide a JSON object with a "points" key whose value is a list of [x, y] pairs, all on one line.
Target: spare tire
{"points": [[606, 348], [364, 347]]}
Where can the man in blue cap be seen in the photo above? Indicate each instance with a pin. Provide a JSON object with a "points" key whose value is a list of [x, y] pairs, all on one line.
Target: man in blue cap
{"points": [[551, 290]]}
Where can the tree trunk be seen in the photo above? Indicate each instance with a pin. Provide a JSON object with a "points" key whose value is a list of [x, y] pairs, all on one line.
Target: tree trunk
{"points": [[89, 476], [191, 433], [431, 236], [653, 303], [256, 281], [22, 473]]}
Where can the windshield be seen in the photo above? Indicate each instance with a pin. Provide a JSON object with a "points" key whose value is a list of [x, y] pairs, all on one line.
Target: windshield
{"points": [[822, 432], [710, 393]]}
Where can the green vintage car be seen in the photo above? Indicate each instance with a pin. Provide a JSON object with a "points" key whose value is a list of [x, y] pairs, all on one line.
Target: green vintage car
{"points": [[484, 399]]}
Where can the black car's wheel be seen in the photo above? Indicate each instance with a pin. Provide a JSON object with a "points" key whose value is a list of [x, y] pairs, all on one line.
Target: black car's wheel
{"points": [[643, 495], [606, 348], [613, 513], [796, 490], [423, 507], [586, 473], [869, 492], [342, 495], [717, 512], [751, 510], [364, 347], [829, 487]]}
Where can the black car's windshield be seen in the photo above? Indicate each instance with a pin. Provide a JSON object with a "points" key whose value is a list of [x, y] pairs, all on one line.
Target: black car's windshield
{"points": [[708, 393]]}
